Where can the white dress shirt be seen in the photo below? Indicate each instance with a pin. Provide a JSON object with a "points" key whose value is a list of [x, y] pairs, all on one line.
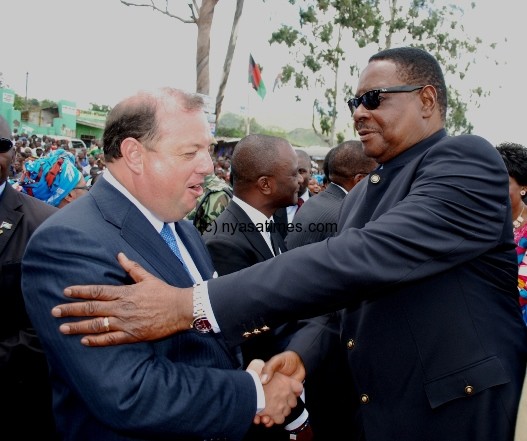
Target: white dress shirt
{"points": [[259, 219], [292, 209]]}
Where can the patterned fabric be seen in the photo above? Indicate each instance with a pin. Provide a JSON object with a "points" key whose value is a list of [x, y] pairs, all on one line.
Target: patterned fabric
{"points": [[50, 178], [520, 237], [209, 206]]}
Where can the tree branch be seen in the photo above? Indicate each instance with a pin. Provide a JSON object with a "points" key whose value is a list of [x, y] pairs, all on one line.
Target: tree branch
{"points": [[165, 11]]}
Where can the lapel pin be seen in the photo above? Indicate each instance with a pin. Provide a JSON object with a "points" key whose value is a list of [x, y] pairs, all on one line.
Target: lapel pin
{"points": [[375, 178], [6, 225]]}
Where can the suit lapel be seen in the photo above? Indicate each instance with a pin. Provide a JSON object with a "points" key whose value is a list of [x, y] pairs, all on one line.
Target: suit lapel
{"points": [[139, 233], [9, 215], [254, 237], [197, 250]]}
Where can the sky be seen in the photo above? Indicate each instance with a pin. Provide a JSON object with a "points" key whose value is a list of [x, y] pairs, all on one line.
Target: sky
{"points": [[100, 51]]}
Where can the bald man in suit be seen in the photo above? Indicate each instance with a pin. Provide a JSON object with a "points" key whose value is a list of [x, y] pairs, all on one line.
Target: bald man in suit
{"points": [[265, 178]]}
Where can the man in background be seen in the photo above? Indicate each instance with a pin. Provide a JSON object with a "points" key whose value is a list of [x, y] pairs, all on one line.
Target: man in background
{"points": [[347, 166], [265, 178], [25, 388], [283, 217], [211, 203]]}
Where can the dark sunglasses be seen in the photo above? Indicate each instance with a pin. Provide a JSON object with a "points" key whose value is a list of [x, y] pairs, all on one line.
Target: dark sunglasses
{"points": [[5, 145], [371, 99]]}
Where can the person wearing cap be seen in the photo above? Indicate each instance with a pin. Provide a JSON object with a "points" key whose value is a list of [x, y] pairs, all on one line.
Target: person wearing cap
{"points": [[25, 387]]}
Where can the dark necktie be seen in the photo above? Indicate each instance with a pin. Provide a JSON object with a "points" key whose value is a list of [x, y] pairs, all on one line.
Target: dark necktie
{"points": [[170, 239], [299, 203], [275, 239]]}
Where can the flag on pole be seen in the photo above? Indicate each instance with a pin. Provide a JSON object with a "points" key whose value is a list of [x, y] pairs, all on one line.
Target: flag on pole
{"points": [[255, 78]]}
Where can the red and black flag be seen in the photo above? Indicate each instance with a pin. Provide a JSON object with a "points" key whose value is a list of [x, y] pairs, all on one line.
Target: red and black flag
{"points": [[255, 78]]}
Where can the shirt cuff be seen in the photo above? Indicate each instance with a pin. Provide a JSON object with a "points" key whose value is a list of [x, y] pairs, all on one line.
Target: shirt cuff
{"points": [[207, 307], [260, 396], [298, 422]]}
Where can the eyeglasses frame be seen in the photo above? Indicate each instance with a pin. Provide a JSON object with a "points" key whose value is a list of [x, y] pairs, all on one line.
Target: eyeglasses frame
{"points": [[355, 102]]}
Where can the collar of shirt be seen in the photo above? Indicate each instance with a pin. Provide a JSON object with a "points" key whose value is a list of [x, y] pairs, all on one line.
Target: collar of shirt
{"points": [[342, 188], [291, 210], [156, 223], [257, 218], [305, 196]]}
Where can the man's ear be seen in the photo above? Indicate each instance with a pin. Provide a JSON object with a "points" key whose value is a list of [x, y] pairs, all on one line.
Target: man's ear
{"points": [[132, 151], [265, 184], [429, 100]]}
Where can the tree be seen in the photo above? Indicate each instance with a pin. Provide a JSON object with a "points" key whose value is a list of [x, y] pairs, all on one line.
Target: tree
{"points": [[100, 107], [202, 16], [333, 32]]}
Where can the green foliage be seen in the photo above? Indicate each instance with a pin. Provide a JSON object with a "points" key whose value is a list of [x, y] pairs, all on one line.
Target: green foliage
{"points": [[100, 108], [46, 104], [331, 34], [233, 126], [19, 103], [32, 103]]}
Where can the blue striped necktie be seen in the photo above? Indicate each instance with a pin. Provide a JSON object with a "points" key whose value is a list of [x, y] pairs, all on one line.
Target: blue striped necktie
{"points": [[170, 239]]}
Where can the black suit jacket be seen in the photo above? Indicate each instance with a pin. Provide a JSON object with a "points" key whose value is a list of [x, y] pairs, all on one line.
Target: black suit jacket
{"points": [[234, 243], [318, 217], [280, 220], [425, 265], [24, 383]]}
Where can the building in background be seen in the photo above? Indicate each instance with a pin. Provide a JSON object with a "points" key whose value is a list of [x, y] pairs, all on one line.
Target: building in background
{"points": [[63, 120]]}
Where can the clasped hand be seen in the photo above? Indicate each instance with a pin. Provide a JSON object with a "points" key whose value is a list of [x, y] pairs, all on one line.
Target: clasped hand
{"points": [[282, 378]]}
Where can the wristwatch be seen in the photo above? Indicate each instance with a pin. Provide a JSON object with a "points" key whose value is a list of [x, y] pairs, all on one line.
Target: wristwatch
{"points": [[200, 322]]}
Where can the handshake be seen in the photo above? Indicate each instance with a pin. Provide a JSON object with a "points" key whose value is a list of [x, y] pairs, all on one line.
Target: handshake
{"points": [[282, 378]]}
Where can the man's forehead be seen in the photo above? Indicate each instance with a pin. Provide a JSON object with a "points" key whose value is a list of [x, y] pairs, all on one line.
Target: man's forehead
{"points": [[378, 73]]}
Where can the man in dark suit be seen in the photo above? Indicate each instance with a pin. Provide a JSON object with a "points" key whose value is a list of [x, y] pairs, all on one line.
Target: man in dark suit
{"points": [[317, 220], [347, 165], [264, 179], [283, 217], [264, 171], [187, 387], [25, 388], [424, 264]]}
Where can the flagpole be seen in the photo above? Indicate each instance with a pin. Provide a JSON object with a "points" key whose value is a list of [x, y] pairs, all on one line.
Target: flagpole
{"points": [[247, 118]]}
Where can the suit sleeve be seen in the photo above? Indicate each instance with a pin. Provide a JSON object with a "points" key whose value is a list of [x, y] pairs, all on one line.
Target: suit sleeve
{"points": [[455, 209]]}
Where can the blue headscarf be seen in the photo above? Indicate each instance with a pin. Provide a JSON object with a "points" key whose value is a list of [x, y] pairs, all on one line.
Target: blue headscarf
{"points": [[51, 178]]}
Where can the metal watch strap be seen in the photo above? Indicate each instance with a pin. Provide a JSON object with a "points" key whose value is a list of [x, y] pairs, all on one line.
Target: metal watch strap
{"points": [[199, 322]]}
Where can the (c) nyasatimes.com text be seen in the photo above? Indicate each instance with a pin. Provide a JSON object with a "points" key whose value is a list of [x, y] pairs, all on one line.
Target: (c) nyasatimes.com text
{"points": [[241, 227]]}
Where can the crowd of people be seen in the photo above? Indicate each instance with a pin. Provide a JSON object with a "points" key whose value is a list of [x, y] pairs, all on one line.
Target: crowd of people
{"points": [[255, 298]]}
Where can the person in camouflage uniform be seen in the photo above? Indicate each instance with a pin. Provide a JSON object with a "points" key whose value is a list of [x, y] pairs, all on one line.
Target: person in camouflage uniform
{"points": [[211, 203]]}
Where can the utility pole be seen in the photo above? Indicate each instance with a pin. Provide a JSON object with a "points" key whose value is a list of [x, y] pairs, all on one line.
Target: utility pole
{"points": [[27, 78]]}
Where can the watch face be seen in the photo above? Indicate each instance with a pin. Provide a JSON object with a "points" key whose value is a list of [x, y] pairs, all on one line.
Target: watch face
{"points": [[201, 324]]}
